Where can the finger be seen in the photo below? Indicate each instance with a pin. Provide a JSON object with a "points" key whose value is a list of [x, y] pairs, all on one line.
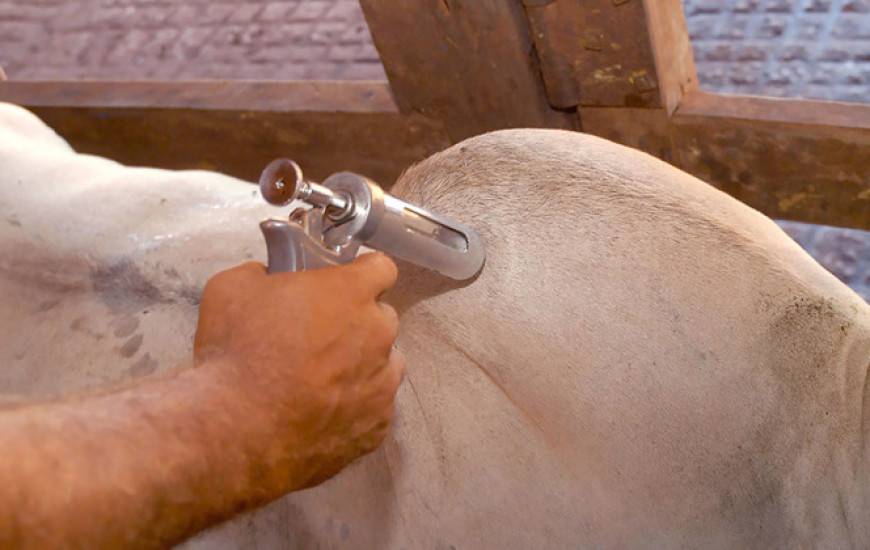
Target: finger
{"points": [[382, 332], [391, 320], [377, 270], [246, 269], [385, 387], [396, 364], [252, 267], [235, 275], [223, 287]]}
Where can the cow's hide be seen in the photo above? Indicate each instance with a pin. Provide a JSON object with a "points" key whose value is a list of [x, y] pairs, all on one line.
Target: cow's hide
{"points": [[102, 265], [643, 361]]}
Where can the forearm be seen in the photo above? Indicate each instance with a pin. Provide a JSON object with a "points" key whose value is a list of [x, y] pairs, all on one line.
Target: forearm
{"points": [[139, 467]]}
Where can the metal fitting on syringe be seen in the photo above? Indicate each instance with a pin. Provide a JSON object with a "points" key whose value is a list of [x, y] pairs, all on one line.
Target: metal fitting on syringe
{"points": [[282, 182]]}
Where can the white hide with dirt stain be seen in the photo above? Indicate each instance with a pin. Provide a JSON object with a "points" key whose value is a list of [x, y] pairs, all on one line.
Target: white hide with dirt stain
{"points": [[102, 265], [642, 362]]}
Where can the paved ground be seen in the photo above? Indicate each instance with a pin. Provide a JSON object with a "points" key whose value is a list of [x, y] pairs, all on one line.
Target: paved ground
{"points": [[167, 39], [844, 252], [795, 48], [816, 49]]}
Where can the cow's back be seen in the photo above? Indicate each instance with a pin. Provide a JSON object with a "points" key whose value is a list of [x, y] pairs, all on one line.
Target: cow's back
{"points": [[643, 360]]}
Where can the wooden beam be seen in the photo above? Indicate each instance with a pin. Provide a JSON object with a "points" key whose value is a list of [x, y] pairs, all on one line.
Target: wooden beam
{"points": [[552, 31], [595, 52], [346, 96], [236, 127], [468, 63], [675, 64], [644, 129], [791, 159]]}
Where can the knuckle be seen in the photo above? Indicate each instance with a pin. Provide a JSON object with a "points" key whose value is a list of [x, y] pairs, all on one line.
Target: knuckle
{"points": [[378, 267], [384, 337], [391, 271], [347, 284], [234, 275], [397, 361], [390, 318]]}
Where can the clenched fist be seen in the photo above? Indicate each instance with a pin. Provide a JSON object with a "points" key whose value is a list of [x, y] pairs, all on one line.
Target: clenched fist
{"points": [[309, 356]]}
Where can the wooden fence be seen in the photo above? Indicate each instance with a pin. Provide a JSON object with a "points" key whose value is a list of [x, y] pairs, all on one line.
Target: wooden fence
{"points": [[621, 69]]}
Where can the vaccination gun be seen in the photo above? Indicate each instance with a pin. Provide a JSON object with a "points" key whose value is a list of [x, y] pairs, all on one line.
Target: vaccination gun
{"points": [[348, 211]]}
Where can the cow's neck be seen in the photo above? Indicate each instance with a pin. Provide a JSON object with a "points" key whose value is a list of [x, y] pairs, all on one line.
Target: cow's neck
{"points": [[842, 433], [416, 284]]}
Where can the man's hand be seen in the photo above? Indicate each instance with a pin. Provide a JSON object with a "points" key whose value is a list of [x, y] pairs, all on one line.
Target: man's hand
{"points": [[312, 352]]}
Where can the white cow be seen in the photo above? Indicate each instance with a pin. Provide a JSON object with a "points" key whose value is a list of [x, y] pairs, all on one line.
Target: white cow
{"points": [[643, 361]]}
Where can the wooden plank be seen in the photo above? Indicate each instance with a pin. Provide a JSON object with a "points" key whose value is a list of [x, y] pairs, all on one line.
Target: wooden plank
{"points": [[347, 96], [469, 63], [558, 40], [770, 109], [644, 129], [675, 64], [594, 53], [619, 53], [791, 159], [234, 134]]}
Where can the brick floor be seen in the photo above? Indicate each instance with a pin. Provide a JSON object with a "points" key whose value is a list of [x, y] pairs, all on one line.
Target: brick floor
{"points": [[797, 48], [165, 39], [817, 49]]}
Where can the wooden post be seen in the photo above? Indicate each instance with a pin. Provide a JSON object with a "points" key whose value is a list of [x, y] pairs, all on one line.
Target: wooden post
{"points": [[595, 52], [468, 63], [624, 65], [675, 64]]}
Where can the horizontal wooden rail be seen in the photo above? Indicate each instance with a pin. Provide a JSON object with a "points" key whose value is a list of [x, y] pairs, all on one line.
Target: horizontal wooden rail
{"points": [[236, 127], [350, 96], [791, 159]]}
